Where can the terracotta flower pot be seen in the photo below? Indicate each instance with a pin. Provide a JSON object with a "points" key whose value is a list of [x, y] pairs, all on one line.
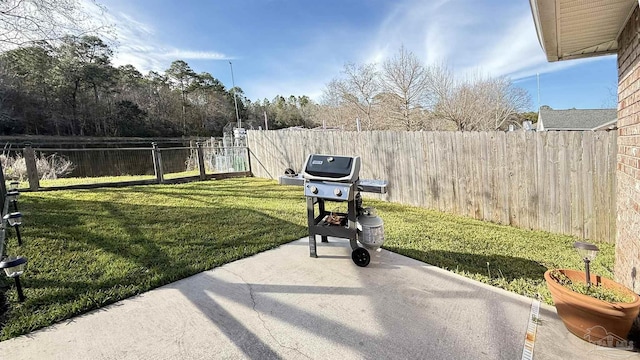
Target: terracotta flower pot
{"points": [[593, 320]]}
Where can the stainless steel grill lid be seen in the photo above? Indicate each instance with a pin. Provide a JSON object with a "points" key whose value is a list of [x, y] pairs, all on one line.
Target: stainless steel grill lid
{"points": [[332, 168]]}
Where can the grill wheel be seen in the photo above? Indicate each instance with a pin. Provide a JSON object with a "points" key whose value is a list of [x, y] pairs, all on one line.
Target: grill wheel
{"points": [[361, 257]]}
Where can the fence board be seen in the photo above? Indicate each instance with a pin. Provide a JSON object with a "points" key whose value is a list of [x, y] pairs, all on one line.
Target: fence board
{"points": [[555, 181], [564, 174], [476, 176], [503, 173], [531, 176], [587, 186], [520, 177], [483, 176], [554, 189], [512, 157], [577, 198]]}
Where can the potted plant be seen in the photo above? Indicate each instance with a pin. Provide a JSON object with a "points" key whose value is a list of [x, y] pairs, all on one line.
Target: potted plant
{"points": [[595, 309]]}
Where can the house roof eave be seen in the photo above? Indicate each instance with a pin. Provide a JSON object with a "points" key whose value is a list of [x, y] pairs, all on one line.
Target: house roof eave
{"points": [[606, 125], [556, 22]]}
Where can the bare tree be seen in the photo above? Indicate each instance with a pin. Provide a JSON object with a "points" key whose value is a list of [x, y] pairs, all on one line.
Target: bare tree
{"points": [[358, 87], [406, 95], [334, 111], [508, 101], [611, 99], [406, 84], [24, 22], [476, 103]]}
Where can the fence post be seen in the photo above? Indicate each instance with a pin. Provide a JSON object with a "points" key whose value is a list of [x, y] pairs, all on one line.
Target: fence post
{"points": [[157, 163], [3, 189], [249, 159], [32, 170], [200, 151]]}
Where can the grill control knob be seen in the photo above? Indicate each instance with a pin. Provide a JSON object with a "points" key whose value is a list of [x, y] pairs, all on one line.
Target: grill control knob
{"points": [[330, 159], [337, 192], [313, 189]]}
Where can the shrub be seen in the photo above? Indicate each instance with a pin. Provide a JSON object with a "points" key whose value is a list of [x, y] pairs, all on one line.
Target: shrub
{"points": [[15, 168], [595, 290], [53, 166], [192, 161], [49, 167]]}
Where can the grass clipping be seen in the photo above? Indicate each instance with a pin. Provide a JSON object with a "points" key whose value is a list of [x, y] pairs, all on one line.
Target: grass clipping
{"points": [[596, 291]]}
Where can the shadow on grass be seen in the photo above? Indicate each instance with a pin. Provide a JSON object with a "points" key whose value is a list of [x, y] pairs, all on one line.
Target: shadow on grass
{"points": [[86, 254], [493, 266], [261, 191]]}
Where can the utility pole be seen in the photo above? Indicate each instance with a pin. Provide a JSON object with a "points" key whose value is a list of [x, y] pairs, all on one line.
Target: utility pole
{"points": [[538, 76], [235, 99], [266, 124]]}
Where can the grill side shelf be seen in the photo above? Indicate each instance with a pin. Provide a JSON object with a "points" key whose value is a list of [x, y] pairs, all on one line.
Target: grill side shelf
{"points": [[365, 185], [297, 180], [373, 186]]}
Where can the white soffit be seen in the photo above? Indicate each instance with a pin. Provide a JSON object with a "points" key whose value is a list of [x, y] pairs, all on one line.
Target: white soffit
{"points": [[569, 29]]}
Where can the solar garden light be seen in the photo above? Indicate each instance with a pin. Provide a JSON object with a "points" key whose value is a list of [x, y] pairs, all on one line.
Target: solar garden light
{"points": [[14, 185], [13, 268], [15, 220], [588, 252], [13, 196]]}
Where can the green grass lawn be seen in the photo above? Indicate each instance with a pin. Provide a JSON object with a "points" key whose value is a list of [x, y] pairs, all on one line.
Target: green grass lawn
{"points": [[23, 185], [89, 180], [105, 179], [90, 248]]}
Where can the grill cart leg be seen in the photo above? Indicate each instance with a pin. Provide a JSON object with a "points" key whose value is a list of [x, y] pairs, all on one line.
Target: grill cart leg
{"points": [[321, 211], [311, 224], [352, 217]]}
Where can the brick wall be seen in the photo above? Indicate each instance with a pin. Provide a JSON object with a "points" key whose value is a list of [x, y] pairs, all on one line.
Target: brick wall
{"points": [[628, 169]]}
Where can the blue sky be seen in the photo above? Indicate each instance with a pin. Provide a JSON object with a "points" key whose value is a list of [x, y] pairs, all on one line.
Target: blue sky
{"points": [[294, 47]]}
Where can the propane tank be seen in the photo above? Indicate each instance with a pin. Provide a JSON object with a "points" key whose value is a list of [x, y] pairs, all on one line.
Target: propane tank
{"points": [[370, 229]]}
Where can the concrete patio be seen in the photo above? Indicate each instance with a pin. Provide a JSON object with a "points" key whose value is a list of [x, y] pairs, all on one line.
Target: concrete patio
{"points": [[284, 304]]}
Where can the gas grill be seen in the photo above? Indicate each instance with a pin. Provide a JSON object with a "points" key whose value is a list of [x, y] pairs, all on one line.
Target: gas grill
{"points": [[336, 178]]}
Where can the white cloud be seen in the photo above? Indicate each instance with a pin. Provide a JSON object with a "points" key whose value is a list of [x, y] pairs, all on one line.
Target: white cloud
{"points": [[199, 55], [136, 44], [470, 36]]}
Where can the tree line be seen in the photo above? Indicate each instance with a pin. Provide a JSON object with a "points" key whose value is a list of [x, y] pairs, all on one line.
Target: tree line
{"points": [[404, 94], [70, 87]]}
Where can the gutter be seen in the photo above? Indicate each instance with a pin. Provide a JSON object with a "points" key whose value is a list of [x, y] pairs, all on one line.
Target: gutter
{"points": [[536, 22], [546, 25]]}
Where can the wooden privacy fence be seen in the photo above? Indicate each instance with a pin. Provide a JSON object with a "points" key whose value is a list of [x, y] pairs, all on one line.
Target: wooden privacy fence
{"points": [[562, 182]]}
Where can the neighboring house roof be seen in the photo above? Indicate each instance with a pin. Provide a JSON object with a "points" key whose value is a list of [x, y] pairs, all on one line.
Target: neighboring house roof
{"points": [[569, 29], [577, 119]]}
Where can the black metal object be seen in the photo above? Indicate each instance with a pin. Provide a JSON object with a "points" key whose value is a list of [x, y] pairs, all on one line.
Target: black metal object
{"points": [[361, 257], [318, 224], [588, 252], [14, 220], [21, 296], [336, 179], [12, 196], [18, 235], [328, 167], [10, 263]]}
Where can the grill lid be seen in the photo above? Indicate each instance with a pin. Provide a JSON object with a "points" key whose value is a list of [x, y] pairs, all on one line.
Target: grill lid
{"points": [[332, 168]]}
